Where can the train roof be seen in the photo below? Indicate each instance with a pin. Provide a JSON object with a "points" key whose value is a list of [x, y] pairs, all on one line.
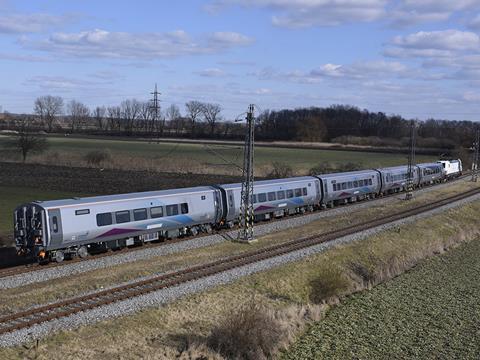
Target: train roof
{"points": [[270, 182], [121, 197], [349, 173], [429, 164], [394, 168]]}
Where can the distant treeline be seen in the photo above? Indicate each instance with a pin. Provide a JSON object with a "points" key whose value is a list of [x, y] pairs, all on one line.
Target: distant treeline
{"points": [[337, 123]]}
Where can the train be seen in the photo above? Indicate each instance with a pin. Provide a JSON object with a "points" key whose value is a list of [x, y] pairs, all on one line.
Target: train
{"points": [[57, 229]]}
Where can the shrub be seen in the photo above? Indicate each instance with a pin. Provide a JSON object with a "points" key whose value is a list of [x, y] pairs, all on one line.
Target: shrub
{"points": [[330, 284], [251, 332], [280, 170], [97, 157], [367, 275], [327, 168], [322, 168]]}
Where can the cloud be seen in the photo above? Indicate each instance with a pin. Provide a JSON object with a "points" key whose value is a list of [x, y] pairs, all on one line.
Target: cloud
{"points": [[31, 23], [355, 71], [411, 12], [307, 13], [59, 82], [433, 44], [311, 13], [26, 58], [100, 43], [212, 73]]}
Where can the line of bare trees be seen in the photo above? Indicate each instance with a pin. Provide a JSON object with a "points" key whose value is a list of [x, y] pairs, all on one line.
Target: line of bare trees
{"points": [[130, 117], [337, 123]]}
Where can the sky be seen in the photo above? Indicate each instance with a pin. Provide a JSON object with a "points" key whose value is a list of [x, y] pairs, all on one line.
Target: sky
{"points": [[415, 58]]}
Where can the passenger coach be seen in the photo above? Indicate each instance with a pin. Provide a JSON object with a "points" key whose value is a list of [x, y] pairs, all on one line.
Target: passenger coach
{"points": [[67, 227]]}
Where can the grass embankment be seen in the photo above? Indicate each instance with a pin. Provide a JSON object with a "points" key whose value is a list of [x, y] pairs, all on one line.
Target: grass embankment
{"points": [[17, 298], [431, 312], [201, 158], [294, 294], [11, 197]]}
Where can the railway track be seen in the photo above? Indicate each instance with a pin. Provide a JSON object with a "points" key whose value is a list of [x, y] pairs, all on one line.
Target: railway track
{"points": [[22, 269], [28, 318]]}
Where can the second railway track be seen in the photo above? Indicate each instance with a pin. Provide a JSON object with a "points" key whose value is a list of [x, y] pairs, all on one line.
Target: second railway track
{"points": [[22, 269], [28, 318]]}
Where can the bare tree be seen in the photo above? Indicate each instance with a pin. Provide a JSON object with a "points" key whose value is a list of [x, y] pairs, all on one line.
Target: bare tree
{"points": [[48, 107], [130, 111], [78, 114], [146, 115], [172, 113], [99, 116], [114, 118], [194, 110], [27, 141], [211, 113]]}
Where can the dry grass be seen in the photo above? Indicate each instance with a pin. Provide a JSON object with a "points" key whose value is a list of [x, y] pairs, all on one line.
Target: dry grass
{"points": [[182, 329]]}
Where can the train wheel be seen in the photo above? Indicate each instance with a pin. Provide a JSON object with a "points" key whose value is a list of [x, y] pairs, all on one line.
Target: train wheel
{"points": [[59, 256], [82, 252], [194, 231]]}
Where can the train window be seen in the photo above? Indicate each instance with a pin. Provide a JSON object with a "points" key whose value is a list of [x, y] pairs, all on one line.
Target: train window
{"points": [[334, 187], [172, 210], [55, 224], [289, 194], [309, 184], [272, 196], [184, 208], [254, 198], [370, 182], [360, 183], [304, 191], [355, 184], [203, 197], [156, 212], [82, 212], [344, 186], [122, 216], [280, 195], [298, 192], [104, 219], [140, 214], [262, 197], [350, 184]]}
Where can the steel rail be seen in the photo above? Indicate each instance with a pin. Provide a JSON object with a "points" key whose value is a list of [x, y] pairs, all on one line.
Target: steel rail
{"points": [[32, 267], [28, 318]]}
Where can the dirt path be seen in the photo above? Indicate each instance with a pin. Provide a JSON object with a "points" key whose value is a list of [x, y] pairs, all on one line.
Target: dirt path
{"points": [[430, 312]]}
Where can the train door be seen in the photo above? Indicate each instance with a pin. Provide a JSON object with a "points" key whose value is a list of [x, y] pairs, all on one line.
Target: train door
{"points": [[231, 205], [56, 231], [319, 192], [218, 205]]}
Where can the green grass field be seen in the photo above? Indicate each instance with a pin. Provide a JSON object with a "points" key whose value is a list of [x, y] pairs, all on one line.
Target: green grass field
{"points": [[184, 157], [430, 312], [11, 197]]}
